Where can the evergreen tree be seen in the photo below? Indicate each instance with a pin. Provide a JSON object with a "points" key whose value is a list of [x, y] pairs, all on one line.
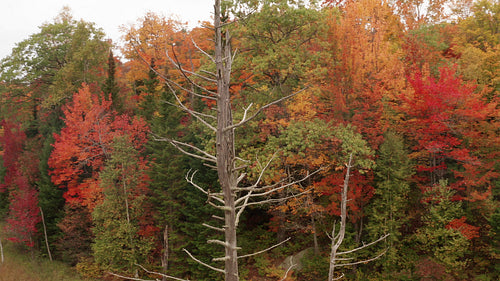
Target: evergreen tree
{"points": [[180, 207], [110, 87], [120, 240], [389, 207], [50, 198], [445, 236]]}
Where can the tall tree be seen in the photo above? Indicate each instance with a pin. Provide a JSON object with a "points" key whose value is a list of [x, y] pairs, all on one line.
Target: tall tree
{"points": [[123, 225], [439, 110], [110, 87], [83, 146], [55, 61], [38, 77], [80, 153], [389, 210], [231, 198]]}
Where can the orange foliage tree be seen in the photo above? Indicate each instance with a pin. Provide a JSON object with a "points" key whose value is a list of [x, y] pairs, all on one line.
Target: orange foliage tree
{"points": [[84, 145]]}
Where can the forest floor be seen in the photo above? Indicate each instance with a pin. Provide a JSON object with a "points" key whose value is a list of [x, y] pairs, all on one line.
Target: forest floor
{"points": [[21, 264]]}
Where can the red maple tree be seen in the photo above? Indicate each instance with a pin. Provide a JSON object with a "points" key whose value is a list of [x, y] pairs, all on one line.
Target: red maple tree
{"points": [[441, 117], [84, 145], [21, 168]]}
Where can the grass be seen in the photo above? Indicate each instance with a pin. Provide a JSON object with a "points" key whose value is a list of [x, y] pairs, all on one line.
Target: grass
{"points": [[21, 264]]}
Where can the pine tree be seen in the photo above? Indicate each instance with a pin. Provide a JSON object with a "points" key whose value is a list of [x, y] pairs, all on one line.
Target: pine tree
{"points": [[110, 87], [180, 208], [122, 222], [389, 208]]}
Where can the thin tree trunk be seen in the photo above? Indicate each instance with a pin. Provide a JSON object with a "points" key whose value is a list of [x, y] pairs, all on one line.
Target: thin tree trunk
{"points": [[336, 242], [1, 251], [164, 260], [315, 235], [45, 234]]}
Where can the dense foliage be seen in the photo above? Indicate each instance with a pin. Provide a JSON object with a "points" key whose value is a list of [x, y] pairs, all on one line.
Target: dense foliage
{"points": [[410, 88]]}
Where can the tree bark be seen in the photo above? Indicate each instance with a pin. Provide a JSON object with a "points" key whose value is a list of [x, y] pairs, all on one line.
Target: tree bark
{"points": [[225, 144]]}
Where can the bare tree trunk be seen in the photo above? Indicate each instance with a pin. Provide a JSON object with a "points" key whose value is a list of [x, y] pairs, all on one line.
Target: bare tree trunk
{"points": [[225, 144], [164, 259], [232, 199], [45, 234], [336, 242], [315, 235], [1, 251]]}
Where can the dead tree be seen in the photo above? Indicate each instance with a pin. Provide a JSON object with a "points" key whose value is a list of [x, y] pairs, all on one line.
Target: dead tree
{"points": [[232, 198], [337, 239]]}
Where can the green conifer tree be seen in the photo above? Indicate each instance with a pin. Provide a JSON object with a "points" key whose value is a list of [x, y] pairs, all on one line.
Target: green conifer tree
{"points": [[391, 201], [120, 243]]}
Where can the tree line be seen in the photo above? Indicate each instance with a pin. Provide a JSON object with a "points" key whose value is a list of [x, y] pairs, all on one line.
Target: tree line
{"points": [[260, 133]]}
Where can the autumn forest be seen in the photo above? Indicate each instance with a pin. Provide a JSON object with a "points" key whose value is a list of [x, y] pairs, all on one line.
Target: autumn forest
{"points": [[284, 140]]}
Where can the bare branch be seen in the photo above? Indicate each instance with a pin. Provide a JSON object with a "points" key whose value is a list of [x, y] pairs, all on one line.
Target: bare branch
{"points": [[261, 174], [178, 65], [204, 264], [289, 268], [363, 261], [234, 55], [328, 234], [191, 112], [208, 72], [161, 274], [190, 180], [265, 250], [147, 271], [180, 68], [343, 259], [240, 178], [364, 245], [168, 80], [218, 242], [220, 259], [213, 227], [208, 27], [202, 51], [128, 278], [199, 113], [210, 166], [182, 88], [244, 121], [220, 207], [340, 277], [217, 217], [272, 188], [240, 211], [273, 200], [177, 144]]}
